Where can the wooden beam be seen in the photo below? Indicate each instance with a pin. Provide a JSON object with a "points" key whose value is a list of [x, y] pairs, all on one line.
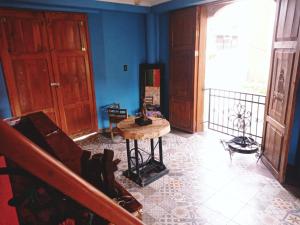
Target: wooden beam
{"points": [[30, 157]]}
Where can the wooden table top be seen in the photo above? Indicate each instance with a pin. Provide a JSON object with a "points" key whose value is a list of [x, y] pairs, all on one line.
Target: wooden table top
{"points": [[130, 130]]}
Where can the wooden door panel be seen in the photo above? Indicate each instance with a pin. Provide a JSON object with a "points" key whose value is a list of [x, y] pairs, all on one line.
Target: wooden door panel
{"points": [[273, 147], [68, 31], [78, 117], [27, 63], [69, 53], [182, 79], [288, 20], [180, 109], [66, 35], [282, 87], [32, 81], [75, 91], [25, 35], [73, 79], [281, 83], [183, 27], [185, 41]]}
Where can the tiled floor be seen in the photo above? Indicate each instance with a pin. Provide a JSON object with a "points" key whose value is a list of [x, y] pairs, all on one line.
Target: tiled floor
{"points": [[204, 186]]}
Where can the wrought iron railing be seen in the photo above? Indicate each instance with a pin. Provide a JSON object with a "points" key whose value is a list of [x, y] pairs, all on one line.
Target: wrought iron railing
{"points": [[236, 113]]}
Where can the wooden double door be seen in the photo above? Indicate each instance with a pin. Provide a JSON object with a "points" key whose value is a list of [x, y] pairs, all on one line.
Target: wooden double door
{"points": [[46, 66]]}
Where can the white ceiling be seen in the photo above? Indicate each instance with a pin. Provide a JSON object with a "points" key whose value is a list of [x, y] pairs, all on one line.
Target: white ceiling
{"points": [[137, 2]]}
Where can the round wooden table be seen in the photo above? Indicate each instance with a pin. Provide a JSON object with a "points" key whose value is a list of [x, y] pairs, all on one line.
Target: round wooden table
{"points": [[140, 171]]}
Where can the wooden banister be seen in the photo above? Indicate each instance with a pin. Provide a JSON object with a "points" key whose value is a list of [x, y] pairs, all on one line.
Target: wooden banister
{"points": [[30, 157]]}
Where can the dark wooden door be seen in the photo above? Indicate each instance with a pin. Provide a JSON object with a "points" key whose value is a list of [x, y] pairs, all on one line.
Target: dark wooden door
{"points": [[186, 68], [27, 63], [284, 76], [69, 52]]}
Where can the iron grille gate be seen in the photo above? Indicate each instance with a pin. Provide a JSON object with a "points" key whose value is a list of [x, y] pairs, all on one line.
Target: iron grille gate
{"points": [[229, 111]]}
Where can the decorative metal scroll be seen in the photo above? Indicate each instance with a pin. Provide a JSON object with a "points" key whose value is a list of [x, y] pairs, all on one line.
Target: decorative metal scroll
{"points": [[236, 113], [241, 118], [236, 116]]}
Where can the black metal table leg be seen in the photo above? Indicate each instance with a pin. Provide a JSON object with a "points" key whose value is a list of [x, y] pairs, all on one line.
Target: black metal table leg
{"points": [[160, 150], [137, 166], [144, 173], [128, 154], [152, 148]]}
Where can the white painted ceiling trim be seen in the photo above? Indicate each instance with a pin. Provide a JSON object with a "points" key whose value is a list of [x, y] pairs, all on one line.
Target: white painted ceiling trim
{"points": [[137, 2]]}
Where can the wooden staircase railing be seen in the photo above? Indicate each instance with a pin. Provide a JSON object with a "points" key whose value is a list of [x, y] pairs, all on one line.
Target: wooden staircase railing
{"points": [[30, 157]]}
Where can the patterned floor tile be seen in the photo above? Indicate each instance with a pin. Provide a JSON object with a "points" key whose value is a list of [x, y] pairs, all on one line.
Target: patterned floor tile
{"points": [[283, 204], [203, 186], [210, 216], [232, 223], [224, 205], [249, 215], [293, 219], [154, 210], [285, 195], [276, 212], [147, 219]]}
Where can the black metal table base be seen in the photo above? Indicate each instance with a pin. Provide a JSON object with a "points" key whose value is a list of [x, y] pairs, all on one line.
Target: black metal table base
{"points": [[144, 172]]}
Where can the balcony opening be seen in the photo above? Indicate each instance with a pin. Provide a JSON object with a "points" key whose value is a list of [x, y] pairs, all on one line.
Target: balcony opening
{"points": [[238, 53]]}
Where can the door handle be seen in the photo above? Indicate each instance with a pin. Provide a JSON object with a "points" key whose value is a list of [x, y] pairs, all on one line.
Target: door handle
{"points": [[55, 84]]}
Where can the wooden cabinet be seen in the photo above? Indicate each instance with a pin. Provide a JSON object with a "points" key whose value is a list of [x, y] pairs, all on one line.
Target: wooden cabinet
{"points": [[47, 68]]}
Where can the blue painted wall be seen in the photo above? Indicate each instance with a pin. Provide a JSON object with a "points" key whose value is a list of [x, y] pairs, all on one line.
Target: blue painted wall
{"points": [[73, 5], [294, 154], [152, 38], [117, 38], [178, 4], [163, 42], [4, 104]]}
